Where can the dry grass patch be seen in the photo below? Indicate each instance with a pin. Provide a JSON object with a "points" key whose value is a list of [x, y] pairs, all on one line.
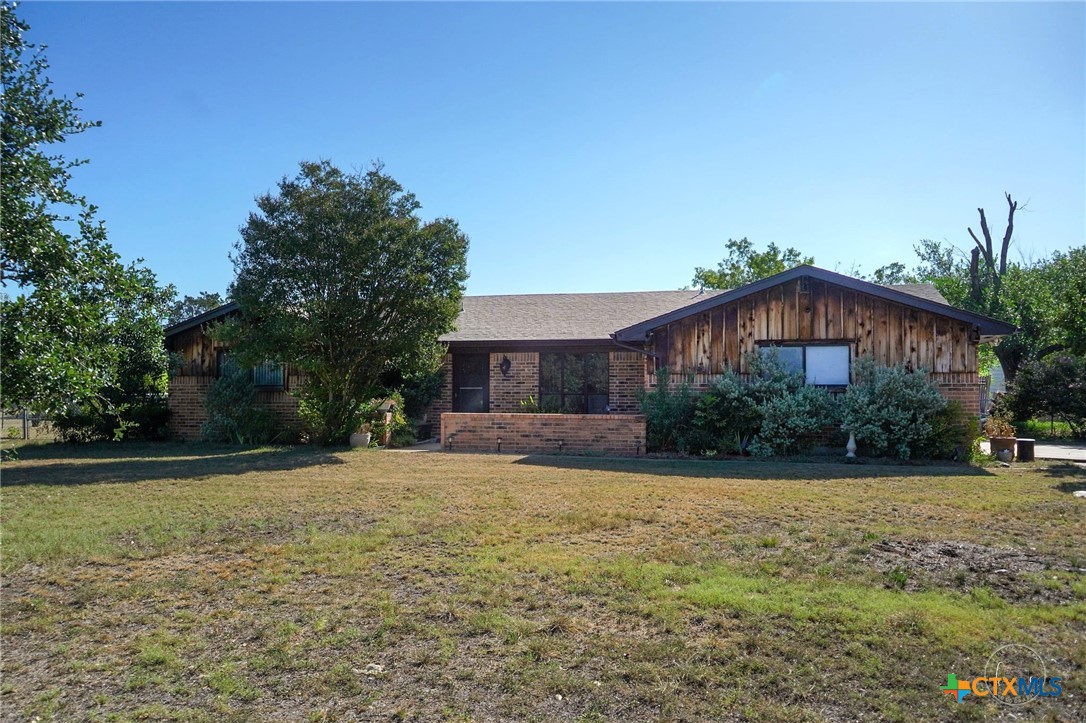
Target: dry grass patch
{"points": [[182, 582]]}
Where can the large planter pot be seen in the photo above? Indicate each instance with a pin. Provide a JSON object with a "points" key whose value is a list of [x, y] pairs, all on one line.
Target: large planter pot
{"points": [[1001, 444], [360, 439]]}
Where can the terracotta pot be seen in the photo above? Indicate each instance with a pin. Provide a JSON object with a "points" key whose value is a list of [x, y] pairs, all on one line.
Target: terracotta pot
{"points": [[999, 444], [360, 439]]}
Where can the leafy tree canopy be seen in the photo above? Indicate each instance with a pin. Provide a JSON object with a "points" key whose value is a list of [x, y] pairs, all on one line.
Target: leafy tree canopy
{"points": [[190, 306], [68, 304], [744, 264], [338, 276]]}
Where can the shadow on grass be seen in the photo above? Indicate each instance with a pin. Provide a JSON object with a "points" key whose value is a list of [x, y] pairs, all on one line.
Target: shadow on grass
{"points": [[69, 464], [752, 469], [1068, 470]]}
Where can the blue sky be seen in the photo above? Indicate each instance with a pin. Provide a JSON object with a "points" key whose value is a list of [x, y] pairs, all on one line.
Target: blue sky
{"points": [[585, 147]]}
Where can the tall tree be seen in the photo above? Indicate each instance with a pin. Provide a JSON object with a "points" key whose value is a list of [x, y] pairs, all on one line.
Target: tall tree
{"points": [[63, 286], [190, 306], [338, 276], [744, 264]]}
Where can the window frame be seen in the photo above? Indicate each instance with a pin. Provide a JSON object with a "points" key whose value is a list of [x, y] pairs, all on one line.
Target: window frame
{"points": [[223, 362], [584, 396], [803, 345]]}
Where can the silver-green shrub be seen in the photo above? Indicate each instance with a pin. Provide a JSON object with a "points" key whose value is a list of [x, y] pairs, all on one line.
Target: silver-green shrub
{"points": [[791, 411], [893, 411]]}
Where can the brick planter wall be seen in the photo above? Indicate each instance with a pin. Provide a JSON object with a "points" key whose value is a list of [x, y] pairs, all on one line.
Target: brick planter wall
{"points": [[615, 434]]}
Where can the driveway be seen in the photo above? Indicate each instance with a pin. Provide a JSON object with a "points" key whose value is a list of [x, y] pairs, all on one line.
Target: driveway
{"points": [[1049, 450]]}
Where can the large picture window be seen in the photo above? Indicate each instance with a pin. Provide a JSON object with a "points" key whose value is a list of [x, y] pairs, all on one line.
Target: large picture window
{"points": [[573, 383], [824, 365]]}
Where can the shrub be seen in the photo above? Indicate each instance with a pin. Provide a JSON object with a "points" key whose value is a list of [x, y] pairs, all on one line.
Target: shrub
{"points": [[1056, 386], [790, 410], [893, 411], [92, 421], [419, 391], [669, 414], [955, 434], [789, 418], [233, 413], [726, 417], [329, 421], [401, 433]]}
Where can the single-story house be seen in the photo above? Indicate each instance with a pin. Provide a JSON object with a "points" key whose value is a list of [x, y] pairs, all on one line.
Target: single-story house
{"points": [[533, 372]]}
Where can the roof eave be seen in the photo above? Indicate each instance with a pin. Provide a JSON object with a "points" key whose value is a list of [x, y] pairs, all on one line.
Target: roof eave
{"points": [[212, 315]]}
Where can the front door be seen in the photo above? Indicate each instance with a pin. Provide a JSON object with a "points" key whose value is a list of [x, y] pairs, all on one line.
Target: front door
{"points": [[471, 382]]}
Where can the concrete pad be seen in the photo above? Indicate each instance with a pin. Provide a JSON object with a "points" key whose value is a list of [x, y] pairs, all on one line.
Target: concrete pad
{"points": [[1046, 450]]}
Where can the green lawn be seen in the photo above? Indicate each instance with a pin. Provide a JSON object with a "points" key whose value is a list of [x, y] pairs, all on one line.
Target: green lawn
{"points": [[182, 582]]}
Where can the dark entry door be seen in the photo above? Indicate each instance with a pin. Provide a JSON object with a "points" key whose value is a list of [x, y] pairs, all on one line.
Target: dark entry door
{"points": [[471, 382]]}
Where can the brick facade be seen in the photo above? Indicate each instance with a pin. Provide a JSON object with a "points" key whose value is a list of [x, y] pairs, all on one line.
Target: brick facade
{"points": [[968, 394], [508, 391], [187, 395], [626, 376], [614, 434], [186, 402]]}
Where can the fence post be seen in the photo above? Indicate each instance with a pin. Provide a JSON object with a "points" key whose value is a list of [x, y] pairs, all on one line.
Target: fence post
{"points": [[26, 424]]}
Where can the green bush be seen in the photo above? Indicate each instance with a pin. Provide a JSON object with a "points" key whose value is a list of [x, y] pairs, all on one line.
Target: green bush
{"points": [[726, 417], [669, 414], [401, 432], [93, 421], [955, 434], [1053, 387], [790, 410], [772, 413], [233, 413], [894, 411], [419, 391]]}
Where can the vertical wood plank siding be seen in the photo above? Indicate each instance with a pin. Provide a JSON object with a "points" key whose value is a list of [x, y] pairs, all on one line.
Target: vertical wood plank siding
{"points": [[812, 310]]}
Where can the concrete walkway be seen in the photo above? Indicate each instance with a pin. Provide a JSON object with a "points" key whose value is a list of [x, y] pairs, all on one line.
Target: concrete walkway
{"points": [[1048, 450]]}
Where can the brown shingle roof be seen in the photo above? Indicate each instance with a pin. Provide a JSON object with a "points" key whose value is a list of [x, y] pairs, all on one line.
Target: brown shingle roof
{"points": [[545, 317], [561, 317], [924, 291]]}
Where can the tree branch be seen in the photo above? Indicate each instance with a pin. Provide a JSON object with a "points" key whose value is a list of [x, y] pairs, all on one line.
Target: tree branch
{"points": [[987, 240], [1012, 207]]}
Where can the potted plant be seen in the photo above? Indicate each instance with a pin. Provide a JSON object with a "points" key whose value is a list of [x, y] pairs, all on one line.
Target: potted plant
{"points": [[362, 437], [1001, 436]]}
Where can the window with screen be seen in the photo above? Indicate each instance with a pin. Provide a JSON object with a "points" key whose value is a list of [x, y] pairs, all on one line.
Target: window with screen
{"points": [[825, 365], [573, 383], [268, 375]]}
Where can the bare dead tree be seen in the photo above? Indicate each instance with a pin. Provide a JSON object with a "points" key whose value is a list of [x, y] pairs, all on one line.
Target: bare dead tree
{"points": [[991, 276]]}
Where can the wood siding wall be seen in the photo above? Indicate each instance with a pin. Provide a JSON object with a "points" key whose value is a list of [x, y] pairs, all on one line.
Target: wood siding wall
{"points": [[815, 311], [198, 353]]}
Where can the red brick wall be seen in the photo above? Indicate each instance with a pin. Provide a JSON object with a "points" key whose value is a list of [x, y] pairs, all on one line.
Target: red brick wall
{"points": [[615, 434], [187, 412], [968, 394]]}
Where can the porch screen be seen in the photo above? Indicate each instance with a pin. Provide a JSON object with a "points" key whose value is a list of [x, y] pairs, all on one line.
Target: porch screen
{"points": [[573, 383]]}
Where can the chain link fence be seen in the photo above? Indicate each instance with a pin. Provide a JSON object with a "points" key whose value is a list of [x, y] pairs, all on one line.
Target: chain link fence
{"points": [[20, 424]]}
